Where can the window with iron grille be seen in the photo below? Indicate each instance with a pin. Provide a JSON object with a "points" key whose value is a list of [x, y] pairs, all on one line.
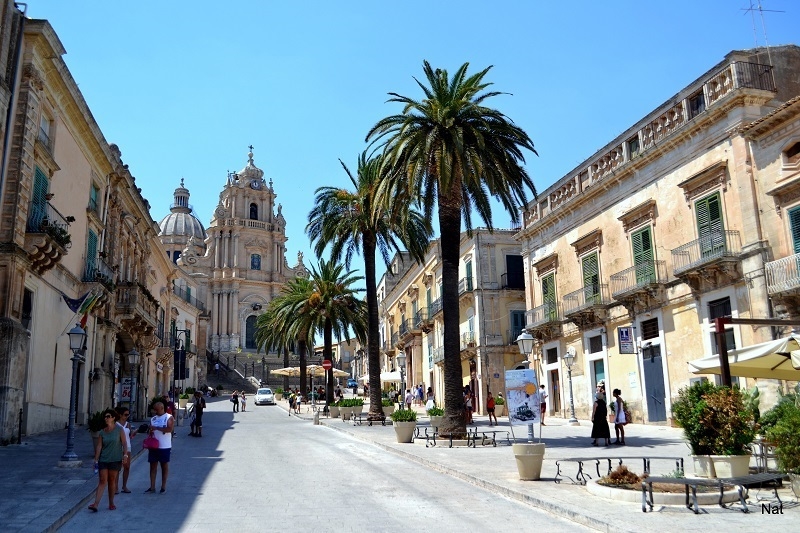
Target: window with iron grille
{"points": [[718, 309], [552, 356], [595, 344], [650, 329]]}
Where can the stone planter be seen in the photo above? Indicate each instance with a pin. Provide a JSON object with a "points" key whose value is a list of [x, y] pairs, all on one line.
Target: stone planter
{"points": [[334, 410], [435, 421], [703, 467], [346, 412], [795, 479], [731, 465], [612, 417], [387, 411], [358, 409], [529, 458], [182, 402], [499, 410], [278, 396], [404, 431]]}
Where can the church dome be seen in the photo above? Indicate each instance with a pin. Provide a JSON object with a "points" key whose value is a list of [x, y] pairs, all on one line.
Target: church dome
{"points": [[251, 171], [181, 222]]}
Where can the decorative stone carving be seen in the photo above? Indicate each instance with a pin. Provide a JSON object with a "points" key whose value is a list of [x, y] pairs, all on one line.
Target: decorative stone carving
{"points": [[641, 214], [590, 241], [708, 179]]}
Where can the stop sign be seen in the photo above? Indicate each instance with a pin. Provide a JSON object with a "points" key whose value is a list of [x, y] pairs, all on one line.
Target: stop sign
{"points": [[326, 364]]}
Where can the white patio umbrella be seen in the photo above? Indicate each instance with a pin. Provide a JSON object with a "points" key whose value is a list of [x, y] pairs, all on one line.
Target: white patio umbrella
{"points": [[778, 359], [391, 377], [291, 371]]}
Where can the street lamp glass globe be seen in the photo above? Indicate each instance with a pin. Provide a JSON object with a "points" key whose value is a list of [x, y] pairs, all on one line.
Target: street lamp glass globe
{"points": [[401, 360], [76, 336], [525, 343], [133, 357], [569, 357]]}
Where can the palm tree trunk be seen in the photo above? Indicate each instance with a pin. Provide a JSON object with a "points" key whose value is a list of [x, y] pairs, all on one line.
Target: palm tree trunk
{"points": [[301, 348], [327, 352], [454, 422], [373, 331]]}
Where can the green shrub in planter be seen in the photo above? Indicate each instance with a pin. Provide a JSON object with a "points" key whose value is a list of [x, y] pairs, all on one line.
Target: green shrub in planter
{"points": [[687, 411], [357, 401], [499, 401], [786, 404], [190, 390], [386, 402], [784, 435], [404, 415], [279, 391], [728, 421], [184, 396], [435, 411], [96, 422]]}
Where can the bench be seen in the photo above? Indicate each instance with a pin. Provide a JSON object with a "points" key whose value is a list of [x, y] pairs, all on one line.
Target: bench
{"points": [[474, 437], [581, 477], [741, 483], [363, 418]]}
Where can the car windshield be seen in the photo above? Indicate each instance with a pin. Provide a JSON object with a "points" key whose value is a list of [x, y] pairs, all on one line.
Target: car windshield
{"points": [[264, 391]]}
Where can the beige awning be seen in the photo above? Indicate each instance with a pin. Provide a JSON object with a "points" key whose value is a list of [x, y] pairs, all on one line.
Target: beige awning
{"points": [[778, 359]]}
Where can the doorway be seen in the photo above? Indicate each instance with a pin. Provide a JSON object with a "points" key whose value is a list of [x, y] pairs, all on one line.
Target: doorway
{"points": [[654, 384], [555, 393]]}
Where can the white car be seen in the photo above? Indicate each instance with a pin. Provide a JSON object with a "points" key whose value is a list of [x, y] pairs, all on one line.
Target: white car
{"points": [[264, 397]]}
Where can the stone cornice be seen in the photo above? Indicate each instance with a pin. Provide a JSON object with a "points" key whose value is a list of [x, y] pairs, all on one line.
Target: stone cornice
{"points": [[636, 216], [588, 242], [546, 264], [709, 178]]}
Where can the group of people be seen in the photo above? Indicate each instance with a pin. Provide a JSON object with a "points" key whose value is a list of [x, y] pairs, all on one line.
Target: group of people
{"points": [[600, 429], [112, 452], [239, 398]]}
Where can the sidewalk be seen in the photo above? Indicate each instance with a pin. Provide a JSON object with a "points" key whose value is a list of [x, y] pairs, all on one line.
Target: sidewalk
{"points": [[494, 468]]}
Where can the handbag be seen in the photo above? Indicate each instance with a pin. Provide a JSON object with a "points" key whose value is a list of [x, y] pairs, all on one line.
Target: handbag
{"points": [[150, 443]]}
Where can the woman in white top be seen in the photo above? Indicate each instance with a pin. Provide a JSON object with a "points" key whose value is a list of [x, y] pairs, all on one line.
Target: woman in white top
{"points": [[243, 400], [124, 415], [619, 417]]}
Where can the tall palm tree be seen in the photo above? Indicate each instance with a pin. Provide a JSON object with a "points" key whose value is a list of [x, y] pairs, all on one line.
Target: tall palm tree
{"points": [[271, 335], [335, 308], [450, 150], [287, 320], [356, 221]]}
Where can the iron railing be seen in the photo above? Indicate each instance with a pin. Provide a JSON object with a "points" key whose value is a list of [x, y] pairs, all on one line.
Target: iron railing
{"points": [[783, 274], [44, 218], [641, 275], [468, 340], [706, 249], [546, 313], [438, 355], [754, 76], [465, 285], [435, 307], [97, 270], [184, 295], [512, 334], [589, 296], [512, 280], [422, 317]]}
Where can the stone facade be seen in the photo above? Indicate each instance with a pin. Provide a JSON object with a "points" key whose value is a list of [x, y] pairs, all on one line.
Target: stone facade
{"points": [[665, 228]]}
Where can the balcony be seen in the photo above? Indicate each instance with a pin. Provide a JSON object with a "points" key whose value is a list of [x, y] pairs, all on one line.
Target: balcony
{"points": [[423, 322], [544, 322], [187, 297], [640, 287], [513, 280], [387, 348], [435, 308], [468, 341], [438, 355], [47, 237], [396, 340], [709, 262], [136, 309], [783, 284], [406, 330], [97, 270], [587, 307]]}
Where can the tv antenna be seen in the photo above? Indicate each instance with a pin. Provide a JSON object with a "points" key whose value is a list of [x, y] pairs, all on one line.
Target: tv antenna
{"points": [[758, 7]]}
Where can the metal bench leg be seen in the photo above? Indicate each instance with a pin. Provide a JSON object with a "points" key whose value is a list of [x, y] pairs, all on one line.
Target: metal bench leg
{"points": [[688, 505], [644, 496], [696, 507], [558, 472], [742, 500]]}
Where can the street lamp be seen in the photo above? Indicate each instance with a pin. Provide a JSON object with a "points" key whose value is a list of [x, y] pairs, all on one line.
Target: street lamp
{"points": [[179, 364], [133, 359], [569, 360], [76, 337], [401, 363], [525, 343]]}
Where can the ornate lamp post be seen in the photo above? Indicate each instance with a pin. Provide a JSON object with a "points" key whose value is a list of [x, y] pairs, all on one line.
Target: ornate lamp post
{"points": [[401, 363], [569, 360], [525, 343], [76, 337], [133, 359]]}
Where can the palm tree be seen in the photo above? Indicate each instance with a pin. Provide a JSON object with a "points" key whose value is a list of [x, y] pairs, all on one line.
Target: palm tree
{"points": [[335, 308], [270, 335], [287, 320], [357, 222], [448, 149]]}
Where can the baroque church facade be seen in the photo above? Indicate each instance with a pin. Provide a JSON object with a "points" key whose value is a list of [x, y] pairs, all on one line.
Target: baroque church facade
{"points": [[238, 263]]}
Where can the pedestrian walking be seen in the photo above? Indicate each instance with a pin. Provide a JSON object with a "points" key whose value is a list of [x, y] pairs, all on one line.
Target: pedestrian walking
{"points": [[197, 415], [243, 401], [600, 429], [620, 417], [110, 451], [216, 368], [297, 401], [468, 404], [292, 398], [125, 414], [161, 427], [409, 399], [543, 402], [235, 400], [430, 402], [490, 407]]}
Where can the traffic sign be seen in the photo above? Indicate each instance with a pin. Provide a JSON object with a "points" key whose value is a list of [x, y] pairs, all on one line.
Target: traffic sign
{"points": [[326, 364]]}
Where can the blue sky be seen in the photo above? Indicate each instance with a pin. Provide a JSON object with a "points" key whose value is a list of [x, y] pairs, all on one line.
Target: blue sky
{"points": [[183, 87]]}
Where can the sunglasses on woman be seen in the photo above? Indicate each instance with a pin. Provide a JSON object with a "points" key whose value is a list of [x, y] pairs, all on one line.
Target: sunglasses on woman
{"points": [[109, 416]]}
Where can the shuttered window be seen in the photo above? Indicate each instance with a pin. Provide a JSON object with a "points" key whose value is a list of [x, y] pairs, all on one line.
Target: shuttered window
{"points": [[643, 256], [591, 278], [468, 268], [794, 223], [91, 254], [41, 186], [549, 296], [710, 228]]}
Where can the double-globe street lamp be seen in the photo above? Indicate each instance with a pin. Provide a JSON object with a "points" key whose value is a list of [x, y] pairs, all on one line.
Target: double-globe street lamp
{"points": [[76, 338], [569, 360], [401, 364], [525, 343]]}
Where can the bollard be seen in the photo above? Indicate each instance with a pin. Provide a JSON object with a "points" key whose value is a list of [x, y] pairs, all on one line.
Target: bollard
{"points": [[316, 418]]}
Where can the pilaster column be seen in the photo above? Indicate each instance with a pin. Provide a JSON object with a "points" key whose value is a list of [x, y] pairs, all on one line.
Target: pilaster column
{"points": [[226, 251], [217, 245], [235, 251]]}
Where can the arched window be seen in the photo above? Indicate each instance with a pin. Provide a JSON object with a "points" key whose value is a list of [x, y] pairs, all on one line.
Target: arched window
{"points": [[250, 333], [253, 212], [255, 262]]}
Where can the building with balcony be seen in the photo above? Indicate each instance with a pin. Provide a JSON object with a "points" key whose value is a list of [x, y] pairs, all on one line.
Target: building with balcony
{"points": [[686, 216], [491, 309]]}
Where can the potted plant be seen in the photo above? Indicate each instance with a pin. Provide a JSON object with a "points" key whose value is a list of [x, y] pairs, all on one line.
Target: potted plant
{"points": [[436, 414], [731, 431], [529, 456], [278, 394], [334, 409], [404, 422], [346, 408], [687, 411], [183, 399], [499, 405], [96, 424], [782, 432], [387, 406], [358, 405]]}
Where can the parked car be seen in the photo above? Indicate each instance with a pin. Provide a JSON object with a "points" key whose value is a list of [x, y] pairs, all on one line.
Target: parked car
{"points": [[265, 397], [352, 383]]}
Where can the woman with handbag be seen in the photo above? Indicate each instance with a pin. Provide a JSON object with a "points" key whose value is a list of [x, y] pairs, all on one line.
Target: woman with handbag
{"points": [[620, 418], [110, 452]]}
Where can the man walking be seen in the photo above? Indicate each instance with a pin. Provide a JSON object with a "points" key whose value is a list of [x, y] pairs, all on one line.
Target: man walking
{"points": [[197, 415], [161, 427], [543, 402]]}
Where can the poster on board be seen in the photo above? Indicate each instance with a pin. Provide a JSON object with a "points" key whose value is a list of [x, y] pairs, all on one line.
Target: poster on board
{"points": [[522, 398], [626, 341]]}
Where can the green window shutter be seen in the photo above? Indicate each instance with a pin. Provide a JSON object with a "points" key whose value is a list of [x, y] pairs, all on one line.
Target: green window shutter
{"points": [[710, 228], [41, 186], [549, 296], [794, 223], [91, 254], [591, 278], [643, 256], [468, 268]]}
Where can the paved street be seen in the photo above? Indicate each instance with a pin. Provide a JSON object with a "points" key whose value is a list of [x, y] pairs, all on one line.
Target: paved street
{"points": [[265, 470]]}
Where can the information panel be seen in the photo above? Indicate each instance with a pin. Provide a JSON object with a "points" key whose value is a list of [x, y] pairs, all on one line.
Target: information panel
{"points": [[522, 398]]}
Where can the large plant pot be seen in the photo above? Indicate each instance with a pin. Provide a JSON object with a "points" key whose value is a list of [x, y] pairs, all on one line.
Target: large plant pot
{"points": [[404, 431], [435, 421], [182, 402], [731, 465], [795, 479], [358, 409], [334, 410], [346, 412], [499, 410], [612, 417], [703, 466], [278, 396], [529, 458], [387, 411]]}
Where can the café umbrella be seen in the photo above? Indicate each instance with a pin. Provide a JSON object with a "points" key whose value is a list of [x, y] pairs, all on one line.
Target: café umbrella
{"points": [[776, 359]]}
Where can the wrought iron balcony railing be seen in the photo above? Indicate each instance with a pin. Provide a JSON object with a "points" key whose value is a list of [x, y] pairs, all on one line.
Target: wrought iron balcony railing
{"points": [[465, 285], [468, 340], [707, 249], [438, 354], [589, 296], [547, 313], [783, 275], [186, 296], [97, 270], [512, 280], [642, 275], [44, 218]]}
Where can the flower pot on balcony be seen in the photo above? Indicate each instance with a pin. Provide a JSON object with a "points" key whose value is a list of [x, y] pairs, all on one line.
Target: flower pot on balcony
{"points": [[404, 431], [731, 465], [529, 458]]}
